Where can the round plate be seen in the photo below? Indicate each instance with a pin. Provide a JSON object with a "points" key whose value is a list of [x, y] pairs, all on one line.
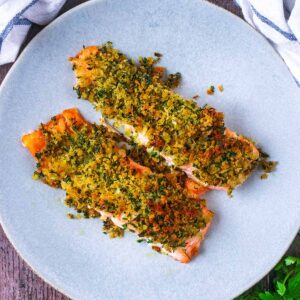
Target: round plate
{"points": [[209, 47]]}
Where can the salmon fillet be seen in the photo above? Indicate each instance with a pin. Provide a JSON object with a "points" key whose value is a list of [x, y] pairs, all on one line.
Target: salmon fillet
{"points": [[140, 100], [102, 177]]}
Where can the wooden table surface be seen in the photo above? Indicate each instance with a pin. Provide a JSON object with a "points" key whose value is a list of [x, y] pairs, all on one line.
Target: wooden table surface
{"points": [[17, 280]]}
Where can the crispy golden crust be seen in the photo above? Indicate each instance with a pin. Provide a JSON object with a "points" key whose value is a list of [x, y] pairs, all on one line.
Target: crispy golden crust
{"points": [[99, 177]]}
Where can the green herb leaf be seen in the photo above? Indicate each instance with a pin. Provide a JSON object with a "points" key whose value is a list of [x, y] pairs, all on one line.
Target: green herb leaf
{"points": [[281, 289], [267, 296], [294, 286], [290, 260]]}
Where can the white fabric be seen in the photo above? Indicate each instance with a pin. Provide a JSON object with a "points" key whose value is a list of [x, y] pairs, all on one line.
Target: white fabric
{"points": [[279, 22], [16, 17]]}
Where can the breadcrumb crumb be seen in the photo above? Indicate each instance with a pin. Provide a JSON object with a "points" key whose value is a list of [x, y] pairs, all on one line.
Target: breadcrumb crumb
{"points": [[211, 90]]}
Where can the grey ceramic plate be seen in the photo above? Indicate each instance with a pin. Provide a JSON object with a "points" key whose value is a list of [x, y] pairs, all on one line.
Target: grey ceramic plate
{"points": [[208, 46]]}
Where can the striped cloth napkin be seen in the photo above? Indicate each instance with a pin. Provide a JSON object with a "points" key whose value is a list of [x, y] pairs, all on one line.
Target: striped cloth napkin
{"points": [[279, 22], [16, 17]]}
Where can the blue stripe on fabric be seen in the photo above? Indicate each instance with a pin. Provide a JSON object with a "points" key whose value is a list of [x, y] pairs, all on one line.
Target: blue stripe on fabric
{"points": [[287, 35], [298, 83], [14, 21], [23, 22]]}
